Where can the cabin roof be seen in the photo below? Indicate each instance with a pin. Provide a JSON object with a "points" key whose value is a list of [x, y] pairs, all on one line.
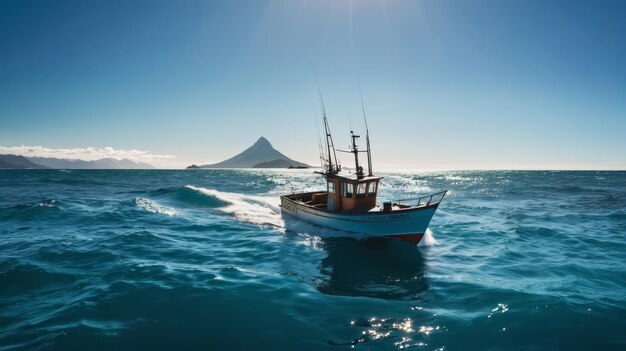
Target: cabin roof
{"points": [[352, 177]]}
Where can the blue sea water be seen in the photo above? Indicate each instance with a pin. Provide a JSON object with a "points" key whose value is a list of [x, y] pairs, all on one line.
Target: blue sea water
{"points": [[201, 260]]}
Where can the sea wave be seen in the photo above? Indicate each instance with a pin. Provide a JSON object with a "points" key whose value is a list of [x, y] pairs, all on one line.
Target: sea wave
{"points": [[93, 259], [260, 210], [154, 207], [187, 196], [31, 210]]}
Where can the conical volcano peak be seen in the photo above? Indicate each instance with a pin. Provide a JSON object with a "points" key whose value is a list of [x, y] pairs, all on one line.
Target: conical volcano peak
{"points": [[262, 142], [260, 155]]}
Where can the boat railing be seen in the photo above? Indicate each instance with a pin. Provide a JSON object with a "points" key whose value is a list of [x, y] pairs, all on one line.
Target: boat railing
{"points": [[427, 200]]}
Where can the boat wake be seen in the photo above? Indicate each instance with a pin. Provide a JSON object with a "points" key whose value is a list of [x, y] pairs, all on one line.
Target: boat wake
{"points": [[260, 210], [265, 211]]}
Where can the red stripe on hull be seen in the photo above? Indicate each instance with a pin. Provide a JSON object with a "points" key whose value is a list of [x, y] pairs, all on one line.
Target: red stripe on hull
{"points": [[413, 238]]}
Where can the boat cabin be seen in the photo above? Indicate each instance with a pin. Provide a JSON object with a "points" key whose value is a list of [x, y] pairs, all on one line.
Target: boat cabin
{"points": [[347, 193]]}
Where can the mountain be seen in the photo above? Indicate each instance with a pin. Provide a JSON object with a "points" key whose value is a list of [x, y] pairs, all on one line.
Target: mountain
{"points": [[262, 152], [104, 163], [14, 161]]}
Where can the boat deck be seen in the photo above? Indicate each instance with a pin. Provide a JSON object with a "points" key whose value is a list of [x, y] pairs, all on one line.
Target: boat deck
{"points": [[317, 200]]}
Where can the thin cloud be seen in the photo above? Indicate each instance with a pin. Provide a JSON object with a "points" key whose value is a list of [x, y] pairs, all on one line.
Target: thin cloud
{"points": [[86, 154]]}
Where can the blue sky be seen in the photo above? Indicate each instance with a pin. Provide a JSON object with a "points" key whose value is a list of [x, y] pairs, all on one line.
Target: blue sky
{"points": [[447, 84]]}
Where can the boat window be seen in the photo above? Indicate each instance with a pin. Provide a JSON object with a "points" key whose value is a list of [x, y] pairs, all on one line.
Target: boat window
{"points": [[347, 190], [360, 190], [331, 187], [372, 188]]}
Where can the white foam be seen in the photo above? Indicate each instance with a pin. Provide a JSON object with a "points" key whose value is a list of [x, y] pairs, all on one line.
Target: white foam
{"points": [[262, 210], [47, 203], [154, 207], [429, 238]]}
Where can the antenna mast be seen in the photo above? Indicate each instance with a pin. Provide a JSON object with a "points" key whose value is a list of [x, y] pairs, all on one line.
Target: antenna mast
{"points": [[319, 140], [367, 135], [355, 151], [330, 146]]}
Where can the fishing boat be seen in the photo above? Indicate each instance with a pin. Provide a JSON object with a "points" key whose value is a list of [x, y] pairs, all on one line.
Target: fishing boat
{"points": [[349, 202]]}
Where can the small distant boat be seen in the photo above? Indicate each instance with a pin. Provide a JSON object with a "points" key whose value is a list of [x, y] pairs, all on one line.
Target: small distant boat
{"points": [[349, 201]]}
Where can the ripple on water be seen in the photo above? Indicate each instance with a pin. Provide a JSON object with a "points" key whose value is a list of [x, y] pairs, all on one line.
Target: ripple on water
{"points": [[197, 260]]}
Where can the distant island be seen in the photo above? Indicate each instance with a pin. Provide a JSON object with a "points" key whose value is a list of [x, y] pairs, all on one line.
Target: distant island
{"points": [[19, 162], [22, 162], [260, 155]]}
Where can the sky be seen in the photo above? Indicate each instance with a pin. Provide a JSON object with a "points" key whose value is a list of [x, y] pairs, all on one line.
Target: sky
{"points": [[446, 84]]}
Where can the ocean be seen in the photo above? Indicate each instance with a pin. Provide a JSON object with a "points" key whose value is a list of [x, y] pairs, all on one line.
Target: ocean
{"points": [[201, 260]]}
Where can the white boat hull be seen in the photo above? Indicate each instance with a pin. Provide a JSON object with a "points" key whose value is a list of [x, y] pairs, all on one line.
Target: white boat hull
{"points": [[407, 224]]}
